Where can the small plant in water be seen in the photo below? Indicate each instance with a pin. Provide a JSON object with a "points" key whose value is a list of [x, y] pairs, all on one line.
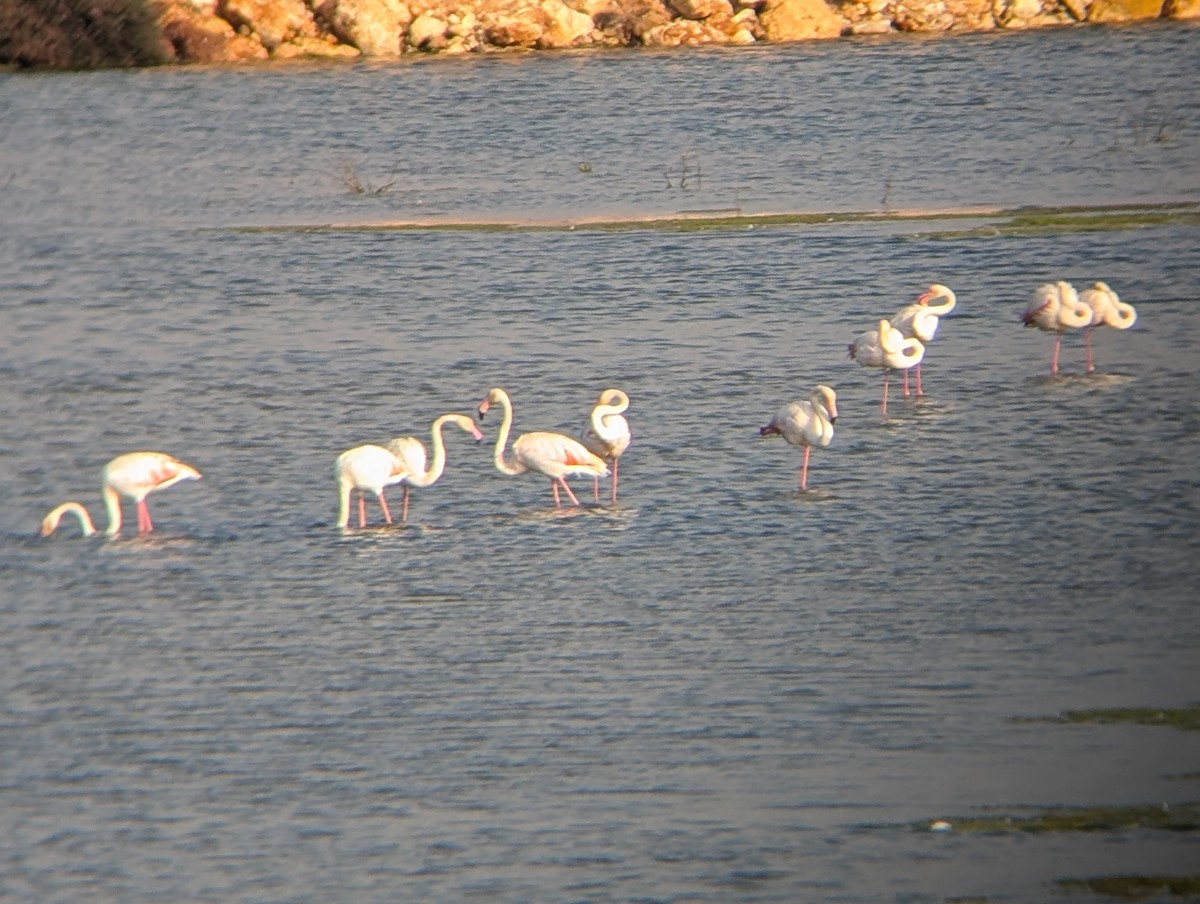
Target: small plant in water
{"points": [[1156, 124], [359, 186]]}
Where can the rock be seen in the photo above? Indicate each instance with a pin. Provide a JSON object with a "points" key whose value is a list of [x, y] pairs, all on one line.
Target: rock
{"points": [[871, 27], [376, 27], [1124, 10], [309, 48], [428, 32], [198, 38], [273, 21], [700, 9], [798, 20], [563, 26], [1182, 9]]}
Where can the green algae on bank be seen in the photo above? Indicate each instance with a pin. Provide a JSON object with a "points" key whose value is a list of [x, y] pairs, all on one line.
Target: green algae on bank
{"points": [[1135, 888], [1184, 817], [1185, 718]]}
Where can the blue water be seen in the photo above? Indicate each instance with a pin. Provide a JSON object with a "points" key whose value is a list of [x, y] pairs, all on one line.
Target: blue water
{"points": [[720, 689]]}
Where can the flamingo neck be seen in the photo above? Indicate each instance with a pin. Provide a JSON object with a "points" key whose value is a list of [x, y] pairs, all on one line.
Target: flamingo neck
{"points": [[601, 414], [112, 507], [345, 485], [438, 464], [51, 521], [940, 310], [502, 464]]}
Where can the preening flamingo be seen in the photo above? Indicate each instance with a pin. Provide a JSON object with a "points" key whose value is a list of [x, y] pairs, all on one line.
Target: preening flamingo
{"points": [[806, 424], [551, 454], [607, 435], [1053, 308], [365, 468], [411, 453], [133, 475], [887, 348], [1107, 310], [920, 321]]}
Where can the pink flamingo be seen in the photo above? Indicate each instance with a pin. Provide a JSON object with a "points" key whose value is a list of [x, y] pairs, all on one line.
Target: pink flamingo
{"points": [[920, 321], [1107, 310], [133, 475], [806, 424], [886, 347], [551, 454], [607, 433], [1053, 308], [411, 453], [366, 468]]}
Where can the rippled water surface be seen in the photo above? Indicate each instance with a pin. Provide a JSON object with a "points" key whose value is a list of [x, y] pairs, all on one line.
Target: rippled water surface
{"points": [[720, 689]]}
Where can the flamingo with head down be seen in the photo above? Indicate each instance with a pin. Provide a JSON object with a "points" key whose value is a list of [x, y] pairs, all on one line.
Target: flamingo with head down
{"points": [[806, 423], [411, 453], [552, 454], [607, 433], [920, 321], [886, 347], [1054, 308], [1107, 310], [366, 468], [133, 475]]}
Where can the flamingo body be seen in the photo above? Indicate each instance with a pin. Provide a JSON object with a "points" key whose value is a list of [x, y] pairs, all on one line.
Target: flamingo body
{"points": [[607, 434], [410, 452], [1107, 310], [553, 454], [920, 320], [133, 476], [368, 468], [886, 347], [806, 423]]}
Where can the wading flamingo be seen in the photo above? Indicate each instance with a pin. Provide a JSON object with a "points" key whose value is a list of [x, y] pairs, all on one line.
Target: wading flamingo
{"points": [[551, 454], [366, 468], [885, 347], [920, 321], [1107, 310], [607, 433], [806, 424], [1053, 308], [133, 475], [411, 453]]}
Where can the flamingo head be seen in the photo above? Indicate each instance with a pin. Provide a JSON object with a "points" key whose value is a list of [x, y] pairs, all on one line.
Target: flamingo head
{"points": [[769, 430], [850, 351]]}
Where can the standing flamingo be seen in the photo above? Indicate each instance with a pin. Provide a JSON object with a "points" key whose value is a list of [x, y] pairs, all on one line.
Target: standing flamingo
{"points": [[366, 468], [1107, 310], [806, 424], [887, 348], [607, 433], [551, 454], [1053, 308], [920, 321], [133, 475], [411, 453]]}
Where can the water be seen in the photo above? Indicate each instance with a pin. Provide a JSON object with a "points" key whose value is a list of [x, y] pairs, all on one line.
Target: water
{"points": [[719, 690]]}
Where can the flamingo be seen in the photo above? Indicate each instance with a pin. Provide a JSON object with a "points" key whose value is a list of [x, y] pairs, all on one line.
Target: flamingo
{"points": [[1107, 310], [607, 433], [920, 320], [411, 453], [364, 468], [551, 454], [133, 475], [887, 348], [806, 424], [1053, 308]]}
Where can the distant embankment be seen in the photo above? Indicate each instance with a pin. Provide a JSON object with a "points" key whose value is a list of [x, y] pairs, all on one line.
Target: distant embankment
{"points": [[85, 34]]}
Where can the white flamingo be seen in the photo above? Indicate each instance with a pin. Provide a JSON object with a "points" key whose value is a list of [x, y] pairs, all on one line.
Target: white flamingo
{"points": [[366, 468], [1053, 308], [607, 433], [133, 475], [551, 454], [411, 453], [920, 320], [806, 424], [1107, 310], [886, 347]]}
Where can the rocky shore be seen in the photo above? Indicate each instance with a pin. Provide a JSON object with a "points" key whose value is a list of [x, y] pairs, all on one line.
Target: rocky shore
{"points": [[89, 33]]}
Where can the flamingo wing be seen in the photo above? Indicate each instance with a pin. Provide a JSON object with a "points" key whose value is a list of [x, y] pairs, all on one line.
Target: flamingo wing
{"points": [[556, 455]]}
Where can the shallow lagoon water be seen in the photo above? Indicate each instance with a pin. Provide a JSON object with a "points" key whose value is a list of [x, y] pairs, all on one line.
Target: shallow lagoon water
{"points": [[720, 690]]}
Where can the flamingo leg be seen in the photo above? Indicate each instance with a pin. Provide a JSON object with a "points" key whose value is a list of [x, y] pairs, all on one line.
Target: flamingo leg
{"points": [[362, 509], [614, 482], [804, 469], [883, 404], [1054, 360], [596, 488], [1087, 335], [906, 382], [920, 391], [145, 525], [567, 487], [404, 509], [387, 516]]}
